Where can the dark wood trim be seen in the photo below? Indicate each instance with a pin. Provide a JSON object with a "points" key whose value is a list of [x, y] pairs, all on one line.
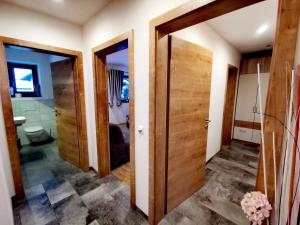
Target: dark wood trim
{"points": [[259, 54], [236, 74], [195, 12], [247, 124], [101, 104], [7, 106], [282, 63], [188, 14], [249, 62]]}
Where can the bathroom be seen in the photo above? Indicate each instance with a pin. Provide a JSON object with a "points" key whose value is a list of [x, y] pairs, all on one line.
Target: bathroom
{"points": [[35, 115]]}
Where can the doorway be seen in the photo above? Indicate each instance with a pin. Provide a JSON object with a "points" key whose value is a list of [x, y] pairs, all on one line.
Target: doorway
{"points": [[114, 106], [44, 116], [160, 102], [230, 98]]}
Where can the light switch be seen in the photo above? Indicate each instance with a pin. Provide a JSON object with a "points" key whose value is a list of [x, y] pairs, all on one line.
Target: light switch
{"points": [[140, 129]]}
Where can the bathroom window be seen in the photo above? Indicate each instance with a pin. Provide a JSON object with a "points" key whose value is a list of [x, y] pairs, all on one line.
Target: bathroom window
{"points": [[23, 79]]}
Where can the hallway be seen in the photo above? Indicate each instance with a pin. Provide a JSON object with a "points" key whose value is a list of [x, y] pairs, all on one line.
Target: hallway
{"points": [[59, 193]]}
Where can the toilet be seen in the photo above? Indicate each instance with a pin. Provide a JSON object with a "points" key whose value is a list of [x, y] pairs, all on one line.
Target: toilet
{"points": [[36, 134]]}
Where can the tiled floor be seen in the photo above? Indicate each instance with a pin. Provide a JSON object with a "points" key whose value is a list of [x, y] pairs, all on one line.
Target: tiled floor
{"points": [[230, 174], [59, 193]]}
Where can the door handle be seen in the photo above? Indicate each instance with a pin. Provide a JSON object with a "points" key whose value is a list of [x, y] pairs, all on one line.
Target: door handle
{"points": [[207, 121], [57, 113]]}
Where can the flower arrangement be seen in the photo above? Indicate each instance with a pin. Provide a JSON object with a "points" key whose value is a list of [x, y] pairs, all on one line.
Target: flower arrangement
{"points": [[256, 207]]}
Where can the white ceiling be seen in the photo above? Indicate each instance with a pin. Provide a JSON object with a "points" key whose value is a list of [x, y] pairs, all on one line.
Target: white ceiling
{"points": [[239, 27], [75, 11], [119, 58]]}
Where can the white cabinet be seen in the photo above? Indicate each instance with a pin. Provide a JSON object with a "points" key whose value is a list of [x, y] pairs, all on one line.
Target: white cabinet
{"points": [[248, 103]]}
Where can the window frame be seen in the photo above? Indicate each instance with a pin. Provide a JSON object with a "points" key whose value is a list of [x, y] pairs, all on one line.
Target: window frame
{"points": [[35, 78]]}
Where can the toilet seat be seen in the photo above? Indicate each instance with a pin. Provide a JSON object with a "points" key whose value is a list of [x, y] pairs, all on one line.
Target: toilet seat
{"points": [[33, 129]]}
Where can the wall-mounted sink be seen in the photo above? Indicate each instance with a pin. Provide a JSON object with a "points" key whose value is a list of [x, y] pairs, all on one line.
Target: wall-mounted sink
{"points": [[19, 120]]}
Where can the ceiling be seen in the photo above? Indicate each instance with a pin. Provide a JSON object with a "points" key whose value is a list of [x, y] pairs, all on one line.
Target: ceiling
{"points": [[119, 58], [240, 27], [75, 11]]}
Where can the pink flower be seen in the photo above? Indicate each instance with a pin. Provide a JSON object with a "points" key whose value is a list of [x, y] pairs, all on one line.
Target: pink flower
{"points": [[256, 207]]}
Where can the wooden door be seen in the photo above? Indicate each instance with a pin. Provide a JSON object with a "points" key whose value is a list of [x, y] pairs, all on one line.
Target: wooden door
{"points": [[190, 68], [65, 106], [229, 104]]}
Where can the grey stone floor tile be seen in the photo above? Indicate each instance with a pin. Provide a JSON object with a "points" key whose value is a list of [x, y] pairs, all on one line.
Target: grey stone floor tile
{"points": [[237, 157], [221, 200], [85, 182], [243, 149], [71, 197], [95, 222], [226, 222], [63, 169], [244, 173], [176, 217], [34, 191], [72, 211], [58, 190], [37, 211]]}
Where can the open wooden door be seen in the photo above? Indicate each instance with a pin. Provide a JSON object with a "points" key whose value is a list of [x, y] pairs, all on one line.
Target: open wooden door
{"points": [[65, 106], [190, 68], [229, 104]]}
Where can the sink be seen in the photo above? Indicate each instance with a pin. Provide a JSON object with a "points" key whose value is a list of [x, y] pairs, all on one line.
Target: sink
{"points": [[19, 120]]}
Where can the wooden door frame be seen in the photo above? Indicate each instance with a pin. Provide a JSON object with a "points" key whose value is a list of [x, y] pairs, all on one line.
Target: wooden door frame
{"points": [[229, 66], [99, 54], [192, 13], [8, 112]]}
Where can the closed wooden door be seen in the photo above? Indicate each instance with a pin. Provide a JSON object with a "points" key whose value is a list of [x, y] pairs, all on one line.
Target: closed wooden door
{"points": [[189, 96], [65, 107], [229, 105]]}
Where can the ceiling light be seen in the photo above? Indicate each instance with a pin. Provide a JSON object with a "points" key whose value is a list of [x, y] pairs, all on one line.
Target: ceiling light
{"points": [[262, 29], [58, 1]]}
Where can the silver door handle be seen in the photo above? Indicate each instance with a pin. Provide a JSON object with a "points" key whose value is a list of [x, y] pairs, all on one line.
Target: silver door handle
{"points": [[207, 121], [57, 113]]}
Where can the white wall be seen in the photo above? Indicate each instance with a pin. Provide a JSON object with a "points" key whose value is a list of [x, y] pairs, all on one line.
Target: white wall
{"points": [[119, 17], [17, 22], [27, 25], [6, 181], [223, 54]]}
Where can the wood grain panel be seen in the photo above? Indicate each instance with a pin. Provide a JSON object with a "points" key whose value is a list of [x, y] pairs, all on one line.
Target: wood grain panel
{"points": [[6, 104], [247, 124], [229, 104], [65, 107], [189, 97], [102, 115], [123, 173], [162, 123], [9, 124], [249, 62], [100, 52], [281, 65]]}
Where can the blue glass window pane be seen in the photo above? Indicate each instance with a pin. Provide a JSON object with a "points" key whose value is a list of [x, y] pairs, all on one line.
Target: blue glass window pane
{"points": [[125, 89], [24, 80]]}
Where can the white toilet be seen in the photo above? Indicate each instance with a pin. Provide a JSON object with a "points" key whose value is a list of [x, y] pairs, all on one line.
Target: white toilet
{"points": [[36, 134]]}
